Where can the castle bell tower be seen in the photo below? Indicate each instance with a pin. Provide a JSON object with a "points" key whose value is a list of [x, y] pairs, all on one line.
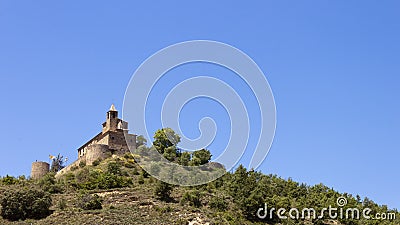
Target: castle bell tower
{"points": [[111, 123]]}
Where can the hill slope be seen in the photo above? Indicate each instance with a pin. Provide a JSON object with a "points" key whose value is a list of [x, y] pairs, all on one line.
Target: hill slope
{"points": [[128, 196]]}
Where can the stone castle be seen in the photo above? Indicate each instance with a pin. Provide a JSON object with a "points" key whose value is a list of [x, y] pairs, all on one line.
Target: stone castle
{"points": [[114, 139]]}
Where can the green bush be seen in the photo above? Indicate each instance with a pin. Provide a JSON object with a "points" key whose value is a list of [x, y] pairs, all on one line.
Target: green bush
{"points": [[218, 203], [90, 179], [89, 202], [25, 204], [96, 162], [129, 165], [135, 171], [48, 183], [163, 190], [201, 157], [128, 155], [192, 197], [9, 180], [166, 209], [108, 181], [62, 204], [114, 168], [141, 179], [82, 164], [69, 180]]}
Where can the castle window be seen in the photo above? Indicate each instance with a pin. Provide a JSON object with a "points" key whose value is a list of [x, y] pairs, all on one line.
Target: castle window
{"points": [[112, 138]]}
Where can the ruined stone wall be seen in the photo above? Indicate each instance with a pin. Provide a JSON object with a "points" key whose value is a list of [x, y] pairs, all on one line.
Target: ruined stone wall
{"points": [[39, 169]]}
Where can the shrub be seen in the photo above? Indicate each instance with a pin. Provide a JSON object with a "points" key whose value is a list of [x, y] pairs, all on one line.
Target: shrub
{"points": [[22, 178], [96, 179], [108, 181], [82, 164], [96, 162], [135, 171], [166, 209], [25, 204], [69, 179], [62, 204], [218, 203], [201, 157], [128, 155], [144, 173], [141, 179], [9, 180], [192, 197], [48, 183], [89, 202], [114, 168], [129, 165], [163, 190]]}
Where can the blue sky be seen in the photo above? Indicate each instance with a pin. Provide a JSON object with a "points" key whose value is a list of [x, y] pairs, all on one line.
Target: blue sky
{"points": [[333, 67]]}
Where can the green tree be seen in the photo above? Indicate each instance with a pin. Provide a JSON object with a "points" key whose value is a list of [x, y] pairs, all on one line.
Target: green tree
{"points": [[164, 138], [57, 164], [243, 186]]}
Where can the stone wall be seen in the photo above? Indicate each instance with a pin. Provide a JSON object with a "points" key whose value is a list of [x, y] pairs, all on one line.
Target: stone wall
{"points": [[93, 152], [69, 167], [99, 139], [117, 141], [97, 151]]}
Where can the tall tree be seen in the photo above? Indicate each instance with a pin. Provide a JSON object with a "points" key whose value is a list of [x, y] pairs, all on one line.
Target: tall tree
{"points": [[57, 163], [165, 138]]}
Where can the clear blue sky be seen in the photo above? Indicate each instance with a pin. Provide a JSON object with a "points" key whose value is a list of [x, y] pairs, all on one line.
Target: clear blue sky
{"points": [[334, 68]]}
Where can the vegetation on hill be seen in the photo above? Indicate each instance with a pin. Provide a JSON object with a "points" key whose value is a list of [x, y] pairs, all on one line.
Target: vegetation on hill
{"points": [[117, 191]]}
